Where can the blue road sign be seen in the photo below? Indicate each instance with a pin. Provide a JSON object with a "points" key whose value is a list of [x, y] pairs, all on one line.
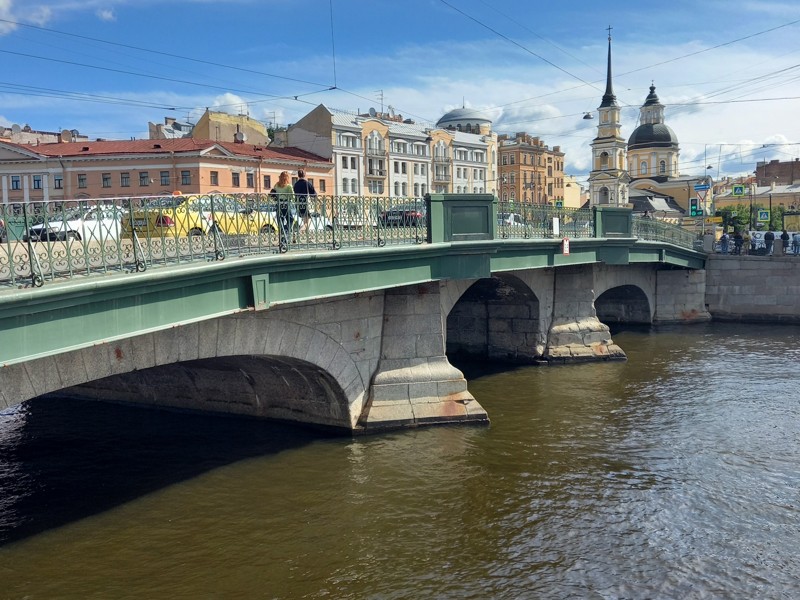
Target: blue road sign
{"points": [[701, 186], [763, 215], [738, 190]]}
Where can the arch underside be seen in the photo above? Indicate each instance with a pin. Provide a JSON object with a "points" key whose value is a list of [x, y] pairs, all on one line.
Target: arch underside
{"points": [[496, 318], [623, 304], [274, 387]]}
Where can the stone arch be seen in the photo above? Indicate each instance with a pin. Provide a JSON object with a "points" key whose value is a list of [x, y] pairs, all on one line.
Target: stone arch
{"points": [[497, 318], [256, 353], [624, 304], [637, 280]]}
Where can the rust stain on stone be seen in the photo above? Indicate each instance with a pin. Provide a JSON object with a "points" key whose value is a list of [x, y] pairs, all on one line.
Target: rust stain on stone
{"points": [[118, 353], [357, 335], [688, 315]]}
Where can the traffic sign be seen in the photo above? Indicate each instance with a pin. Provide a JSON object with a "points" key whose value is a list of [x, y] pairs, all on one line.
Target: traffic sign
{"points": [[738, 190], [763, 215], [701, 186], [559, 204], [712, 220]]}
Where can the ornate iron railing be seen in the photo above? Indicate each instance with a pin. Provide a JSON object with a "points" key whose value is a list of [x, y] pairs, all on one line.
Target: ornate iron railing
{"points": [[42, 242]]}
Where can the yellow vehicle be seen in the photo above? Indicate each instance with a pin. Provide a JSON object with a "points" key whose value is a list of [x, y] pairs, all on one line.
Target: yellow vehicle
{"points": [[194, 215]]}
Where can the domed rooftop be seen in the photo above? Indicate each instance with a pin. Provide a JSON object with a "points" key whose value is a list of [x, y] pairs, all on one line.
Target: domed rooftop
{"points": [[652, 134], [462, 116]]}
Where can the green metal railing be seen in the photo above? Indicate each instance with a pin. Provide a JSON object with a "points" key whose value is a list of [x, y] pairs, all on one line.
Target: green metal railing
{"points": [[659, 231], [543, 222], [43, 242]]}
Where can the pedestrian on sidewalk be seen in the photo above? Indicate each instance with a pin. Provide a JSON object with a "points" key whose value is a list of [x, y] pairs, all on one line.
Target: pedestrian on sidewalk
{"points": [[769, 240]]}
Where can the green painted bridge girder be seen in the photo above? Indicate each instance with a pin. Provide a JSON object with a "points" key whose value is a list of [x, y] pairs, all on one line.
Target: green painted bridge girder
{"points": [[83, 312], [462, 244]]}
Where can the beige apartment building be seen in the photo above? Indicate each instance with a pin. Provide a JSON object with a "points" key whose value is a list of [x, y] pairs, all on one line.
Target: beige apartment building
{"points": [[530, 172], [383, 154], [110, 169]]}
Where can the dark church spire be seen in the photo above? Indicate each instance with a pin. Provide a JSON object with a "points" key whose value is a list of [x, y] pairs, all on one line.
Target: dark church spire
{"points": [[609, 99]]}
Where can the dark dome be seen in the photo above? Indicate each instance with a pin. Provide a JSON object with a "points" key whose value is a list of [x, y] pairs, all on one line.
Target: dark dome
{"points": [[652, 134]]}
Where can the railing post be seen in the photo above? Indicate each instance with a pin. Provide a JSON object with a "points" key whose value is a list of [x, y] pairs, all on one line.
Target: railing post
{"points": [[460, 218]]}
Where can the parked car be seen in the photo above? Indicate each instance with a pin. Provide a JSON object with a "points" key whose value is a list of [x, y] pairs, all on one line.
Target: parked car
{"points": [[316, 221], [404, 215], [181, 216], [99, 223], [510, 219]]}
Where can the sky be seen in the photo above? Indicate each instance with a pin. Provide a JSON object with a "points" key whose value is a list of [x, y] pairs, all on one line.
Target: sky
{"points": [[727, 71]]}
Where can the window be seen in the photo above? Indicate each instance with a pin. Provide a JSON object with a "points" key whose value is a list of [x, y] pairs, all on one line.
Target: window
{"points": [[345, 185], [125, 180], [376, 186], [662, 167], [322, 185], [37, 182], [213, 178], [344, 162], [81, 180], [144, 179], [235, 179], [604, 160], [267, 182], [106, 180], [353, 163], [404, 189], [186, 178], [396, 188], [16, 182], [404, 168], [163, 177], [58, 182], [251, 182], [396, 167], [354, 186], [643, 168]]}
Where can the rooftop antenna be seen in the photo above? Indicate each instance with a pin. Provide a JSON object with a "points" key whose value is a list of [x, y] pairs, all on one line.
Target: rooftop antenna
{"points": [[380, 96]]}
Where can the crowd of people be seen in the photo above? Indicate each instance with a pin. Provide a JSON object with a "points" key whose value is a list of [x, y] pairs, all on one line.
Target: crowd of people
{"points": [[746, 242]]}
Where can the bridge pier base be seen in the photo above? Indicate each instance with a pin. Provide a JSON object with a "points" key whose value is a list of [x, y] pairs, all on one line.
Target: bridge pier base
{"points": [[576, 334], [414, 383]]}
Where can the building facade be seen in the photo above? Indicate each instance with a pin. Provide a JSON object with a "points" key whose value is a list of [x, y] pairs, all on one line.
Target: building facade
{"points": [[776, 172], [382, 154], [109, 169], [530, 172]]}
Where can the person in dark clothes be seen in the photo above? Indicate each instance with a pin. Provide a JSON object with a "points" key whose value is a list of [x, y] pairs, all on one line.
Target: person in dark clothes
{"points": [[303, 190]]}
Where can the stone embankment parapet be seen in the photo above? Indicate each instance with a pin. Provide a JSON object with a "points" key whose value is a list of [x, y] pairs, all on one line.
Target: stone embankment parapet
{"points": [[753, 288]]}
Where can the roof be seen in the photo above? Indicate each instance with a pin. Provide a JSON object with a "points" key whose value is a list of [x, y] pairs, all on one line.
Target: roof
{"points": [[652, 134], [463, 115], [178, 145], [647, 201]]}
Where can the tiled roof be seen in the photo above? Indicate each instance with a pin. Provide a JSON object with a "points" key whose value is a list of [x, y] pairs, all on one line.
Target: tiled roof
{"points": [[180, 145]]}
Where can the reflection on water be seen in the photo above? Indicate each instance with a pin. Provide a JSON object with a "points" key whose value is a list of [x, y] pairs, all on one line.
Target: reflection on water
{"points": [[673, 474]]}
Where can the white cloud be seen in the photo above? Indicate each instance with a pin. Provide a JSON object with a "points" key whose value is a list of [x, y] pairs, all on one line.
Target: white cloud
{"points": [[106, 14]]}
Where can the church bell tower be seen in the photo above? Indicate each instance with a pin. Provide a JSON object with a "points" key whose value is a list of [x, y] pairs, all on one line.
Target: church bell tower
{"points": [[608, 179]]}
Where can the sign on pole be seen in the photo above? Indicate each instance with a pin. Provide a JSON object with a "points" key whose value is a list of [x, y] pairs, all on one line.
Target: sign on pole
{"points": [[738, 190], [701, 187], [565, 246], [763, 215]]}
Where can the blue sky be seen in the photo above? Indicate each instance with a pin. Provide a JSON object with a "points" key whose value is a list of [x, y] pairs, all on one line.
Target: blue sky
{"points": [[728, 71]]}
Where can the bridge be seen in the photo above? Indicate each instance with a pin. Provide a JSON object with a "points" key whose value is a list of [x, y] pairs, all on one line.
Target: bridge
{"points": [[346, 323]]}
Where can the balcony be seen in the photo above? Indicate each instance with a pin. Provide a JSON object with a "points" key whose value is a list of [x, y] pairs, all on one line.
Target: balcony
{"points": [[372, 151], [441, 176], [376, 172]]}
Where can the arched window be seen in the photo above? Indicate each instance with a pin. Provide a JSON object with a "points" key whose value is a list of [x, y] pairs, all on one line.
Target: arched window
{"points": [[604, 160], [643, 168], [604, 196], [662, 167]]}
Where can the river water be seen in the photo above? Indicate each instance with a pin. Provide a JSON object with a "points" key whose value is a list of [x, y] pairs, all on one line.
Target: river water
{"points": [[675, 474]]}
